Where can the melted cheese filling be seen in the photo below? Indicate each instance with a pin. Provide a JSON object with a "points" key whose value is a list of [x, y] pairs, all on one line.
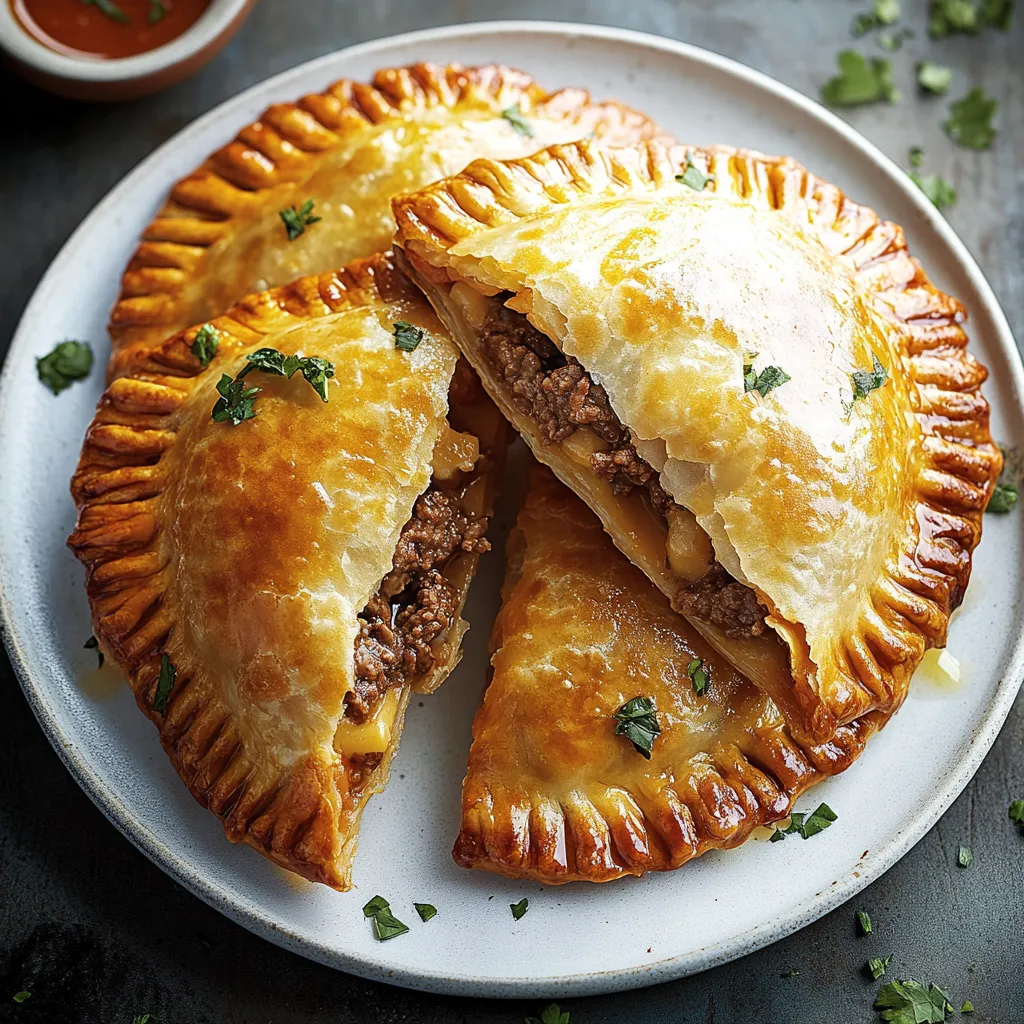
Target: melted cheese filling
{"points": [[374, 735]]}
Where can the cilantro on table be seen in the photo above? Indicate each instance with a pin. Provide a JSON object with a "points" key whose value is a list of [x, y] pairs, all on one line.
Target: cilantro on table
{"points": [[551, 1014], [863, 922], [768, 379], [92, 644], [934, 78], [883, 12], [520, 908], [157, 11], [936, 188], [426, 911], [909, 1002], [236, 399], [916, 156], [964, 856], [109, 9], [67, 362], [164, 685], [970, 120], [407, 337], [878, 965], [204, 344], [859, 81], [968, 1007], [893, 39], [515, 118], [20, 997], [806, 825], [1004, 497], [637, 720], [700, 676], [969, 17], [790, 974], [296, 221], [144, 1018], [1017, 814], [694, 177], [385, 924]]}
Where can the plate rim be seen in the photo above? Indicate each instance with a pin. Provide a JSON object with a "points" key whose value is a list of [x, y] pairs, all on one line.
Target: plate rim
{"points": [[247, 914]]}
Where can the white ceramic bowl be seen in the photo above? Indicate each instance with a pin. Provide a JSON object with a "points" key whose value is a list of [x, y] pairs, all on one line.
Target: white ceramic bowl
{"points": [[125, 77]]}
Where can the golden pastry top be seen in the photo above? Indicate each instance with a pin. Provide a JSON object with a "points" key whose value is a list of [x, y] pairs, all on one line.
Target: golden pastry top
{"points": [[348, 149], [838, 508]]}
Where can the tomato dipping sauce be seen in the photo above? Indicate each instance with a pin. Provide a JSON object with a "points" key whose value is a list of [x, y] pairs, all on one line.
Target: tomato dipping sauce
{"points": [[106, 29]]}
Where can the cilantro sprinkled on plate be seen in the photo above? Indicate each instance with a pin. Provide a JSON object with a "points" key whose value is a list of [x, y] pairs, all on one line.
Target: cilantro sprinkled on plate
{"points": [[64, 364], [520, 908]]}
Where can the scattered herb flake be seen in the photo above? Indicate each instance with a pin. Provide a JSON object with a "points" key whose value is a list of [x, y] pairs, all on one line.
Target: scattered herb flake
{"points": [[968, 1007], [768, 379], [934, 78], [375, 906], [894, 39], [936, 188], [883, 12], [1017, 814], [296, 221], [164, 685], [92, 644], [909, 1002], [863, 922], [916, 156], [864, 382], [964, 856], [144, 1018], [20, 997], [789, 974], [1004, 497], [426, 911], [204, 344], [806, 825], [157, 11], [236, 400], [110, 9], [970, 120], [551, 1014], [968, 17], [515, 118], [407, 337], [387, 926], [694, 177], [520, 908], [700, 676], [878, 965], [637, 720], [859, 81], [67, 362]]}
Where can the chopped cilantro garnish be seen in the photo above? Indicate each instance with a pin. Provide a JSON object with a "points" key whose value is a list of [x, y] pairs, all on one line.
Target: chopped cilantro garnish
{"points": [[110, 9], [92, 644], [946, 17], [934, 78], [551, 1014], [806, 825], [157, 11], [236, 400], [694, 177], [144, 1018], [164, 685], [895, 38], [916, 156], [67, 362], [700, 676], [296, 221], [425, 910], [637, 720], [385, 924], [968, 1007], [883, 12], [864, 381], [964, 856], [374, 906], [859, 81], [789, 974], [515, 118], [768, 379], [877, 965], [407, 337], [863, 922], [970, 120], [1017, 814], [20, 997], [520, 908], [909, 1002], [1004, 497], [936, 188], [204, 344]]}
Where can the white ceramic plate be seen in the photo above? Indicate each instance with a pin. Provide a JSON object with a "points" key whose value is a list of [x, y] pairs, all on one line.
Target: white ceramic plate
{"points": [[576, 939]]}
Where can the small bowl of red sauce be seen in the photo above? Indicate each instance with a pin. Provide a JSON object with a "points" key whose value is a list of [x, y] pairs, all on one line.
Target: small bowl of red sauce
{"points": [[114, 49]]}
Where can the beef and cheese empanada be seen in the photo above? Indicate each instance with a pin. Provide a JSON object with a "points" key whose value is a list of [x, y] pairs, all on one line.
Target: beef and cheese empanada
{"points": [[241, 222], [552, 792], [749, 379], [279, 514]]}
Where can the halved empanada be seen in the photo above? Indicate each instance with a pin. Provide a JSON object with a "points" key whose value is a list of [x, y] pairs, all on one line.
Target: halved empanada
{"points": [[749, 379], [348, 149], [275, 587], [551, 792]]}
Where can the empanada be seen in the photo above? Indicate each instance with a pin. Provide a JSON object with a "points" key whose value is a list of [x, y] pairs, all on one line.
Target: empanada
{"points": [[750, 380], [551, 792], [348, 149], [275, 572]]}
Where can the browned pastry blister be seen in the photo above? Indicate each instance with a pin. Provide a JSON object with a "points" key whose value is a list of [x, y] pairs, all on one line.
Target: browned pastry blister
{"points": [[622, 307], [551, 792], [220, 234], [231, 569]]}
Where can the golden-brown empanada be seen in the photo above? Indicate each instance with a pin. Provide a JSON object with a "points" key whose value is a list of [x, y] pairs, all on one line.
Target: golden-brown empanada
{"points": [[348, 149], [551, 792], [275, 588], [750, 380]]}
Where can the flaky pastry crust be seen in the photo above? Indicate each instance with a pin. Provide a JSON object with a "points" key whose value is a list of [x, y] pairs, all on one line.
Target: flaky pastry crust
{"points": [[551, 793], [243, 554], [219, 236], [853, 517]]}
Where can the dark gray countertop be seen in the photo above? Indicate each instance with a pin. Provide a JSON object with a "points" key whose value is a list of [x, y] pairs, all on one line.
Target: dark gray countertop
{"points": [[98, 934]]}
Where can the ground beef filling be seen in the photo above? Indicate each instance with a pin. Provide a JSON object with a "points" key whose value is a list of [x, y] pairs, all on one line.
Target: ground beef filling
{"points": [[559, 396], [415, 603]]}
